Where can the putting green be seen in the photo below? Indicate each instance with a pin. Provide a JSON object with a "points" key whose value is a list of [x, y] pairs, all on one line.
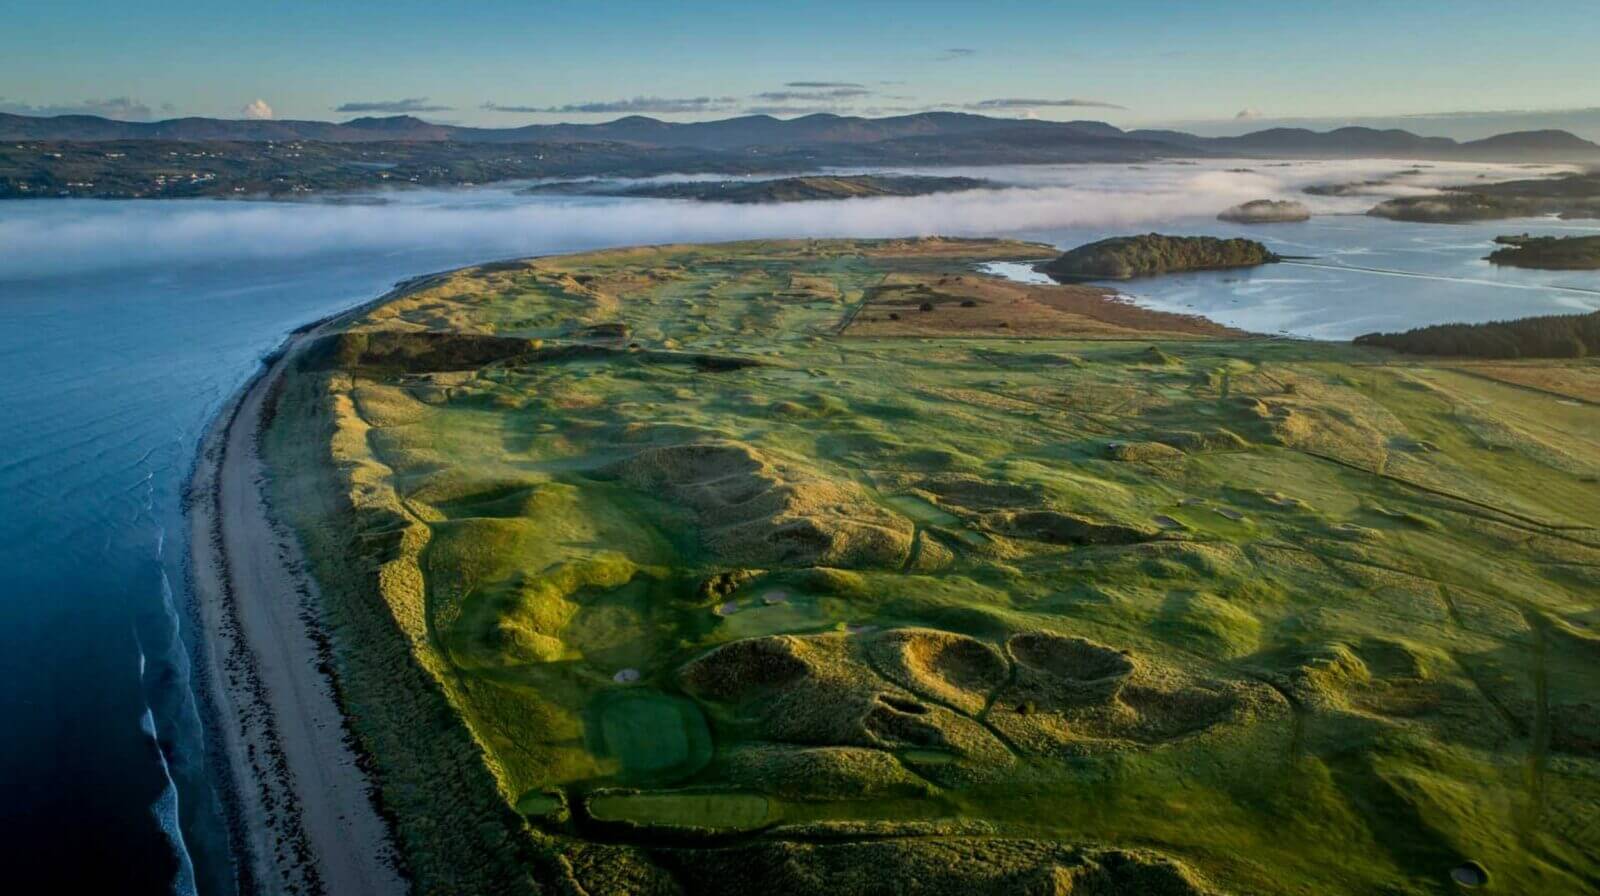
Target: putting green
{"points": [[651, 735]]}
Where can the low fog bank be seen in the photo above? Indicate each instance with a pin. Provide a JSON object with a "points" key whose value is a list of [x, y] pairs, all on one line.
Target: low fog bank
{"points": [[53, 237]]}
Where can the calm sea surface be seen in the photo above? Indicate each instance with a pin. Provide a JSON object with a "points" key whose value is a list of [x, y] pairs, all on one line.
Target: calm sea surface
{"points": [[125, 325]]}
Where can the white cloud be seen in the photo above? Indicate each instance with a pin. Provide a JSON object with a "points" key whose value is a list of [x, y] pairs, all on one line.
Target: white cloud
{"points": [[831, 93], [394, 107], [639, 105], [256, 110], [1024, 103]]}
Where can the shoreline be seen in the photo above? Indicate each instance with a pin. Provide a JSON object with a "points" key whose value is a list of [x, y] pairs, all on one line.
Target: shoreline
{"points": [[301, 809]]}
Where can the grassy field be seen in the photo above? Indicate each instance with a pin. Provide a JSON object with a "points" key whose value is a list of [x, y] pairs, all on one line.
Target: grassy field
{"points": [[839, 567]]}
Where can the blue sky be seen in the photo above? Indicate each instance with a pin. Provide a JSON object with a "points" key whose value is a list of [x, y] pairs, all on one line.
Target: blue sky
{"points": [[1163, 63]]}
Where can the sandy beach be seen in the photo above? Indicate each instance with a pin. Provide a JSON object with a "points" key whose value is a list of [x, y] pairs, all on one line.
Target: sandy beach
{"points": [[303, 817]]}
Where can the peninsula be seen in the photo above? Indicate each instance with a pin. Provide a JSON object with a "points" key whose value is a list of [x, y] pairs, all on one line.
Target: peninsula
{"points": [[838, 566], [1572, 196], [787, 189], [1554, 253]]}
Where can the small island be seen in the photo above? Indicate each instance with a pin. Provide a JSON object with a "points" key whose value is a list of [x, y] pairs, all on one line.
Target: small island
{"points": [[1352, 188], [1267, 211], [1454, 208], [785, 189], [1573, 196], [1550, 253], [1126, 257]]}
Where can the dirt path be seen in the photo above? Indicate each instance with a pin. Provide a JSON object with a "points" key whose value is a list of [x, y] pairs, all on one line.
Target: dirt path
{"points": [[304, 821]]}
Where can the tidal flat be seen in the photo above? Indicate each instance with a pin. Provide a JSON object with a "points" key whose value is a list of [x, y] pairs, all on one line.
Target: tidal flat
{"points": [[809, 565]]}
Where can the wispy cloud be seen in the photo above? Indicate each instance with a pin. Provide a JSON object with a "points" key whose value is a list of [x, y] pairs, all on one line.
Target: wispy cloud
{"points": [[121, 108], [636, 106], [833, 93], [821, 108], [526, 110], [1023, 103], [1584, 111], [952, 53], [1248, 114], [792, 109], [393, 107], [819, 85]]}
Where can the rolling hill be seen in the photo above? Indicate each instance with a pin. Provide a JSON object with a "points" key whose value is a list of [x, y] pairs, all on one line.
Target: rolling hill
{"points": [[966, 136]]}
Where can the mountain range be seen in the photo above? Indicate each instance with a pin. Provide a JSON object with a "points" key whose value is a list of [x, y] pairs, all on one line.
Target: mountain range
{"points": [[953, 137]]}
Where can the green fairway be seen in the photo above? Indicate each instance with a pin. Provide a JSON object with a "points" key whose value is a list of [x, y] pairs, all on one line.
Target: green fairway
{"points": [[711, 568]]}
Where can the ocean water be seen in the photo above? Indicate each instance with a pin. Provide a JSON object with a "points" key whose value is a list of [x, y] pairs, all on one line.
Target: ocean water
{"points": [[1358, 275], [124, 326]]}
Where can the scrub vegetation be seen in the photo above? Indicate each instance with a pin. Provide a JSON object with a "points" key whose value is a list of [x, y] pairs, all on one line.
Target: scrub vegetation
{"points": [[838, 567], [1549, 336]]}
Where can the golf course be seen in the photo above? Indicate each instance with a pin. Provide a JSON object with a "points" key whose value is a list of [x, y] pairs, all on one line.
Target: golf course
{"points": [[825, 566]]}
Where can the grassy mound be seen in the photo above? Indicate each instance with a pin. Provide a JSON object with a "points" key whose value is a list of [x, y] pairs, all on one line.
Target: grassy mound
{"points": [[758, 512]]}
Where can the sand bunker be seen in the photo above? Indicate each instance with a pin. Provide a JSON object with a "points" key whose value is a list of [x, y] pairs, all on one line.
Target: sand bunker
{"points": [[1470, 874]]}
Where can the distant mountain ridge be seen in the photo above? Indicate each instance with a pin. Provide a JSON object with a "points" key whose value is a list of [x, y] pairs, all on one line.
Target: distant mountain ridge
{"points": [[1391, 142], [959, 136]]}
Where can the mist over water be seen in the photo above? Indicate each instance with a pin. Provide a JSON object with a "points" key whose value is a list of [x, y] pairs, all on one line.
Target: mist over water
{"points": [[124, 326], [77, 235]]}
